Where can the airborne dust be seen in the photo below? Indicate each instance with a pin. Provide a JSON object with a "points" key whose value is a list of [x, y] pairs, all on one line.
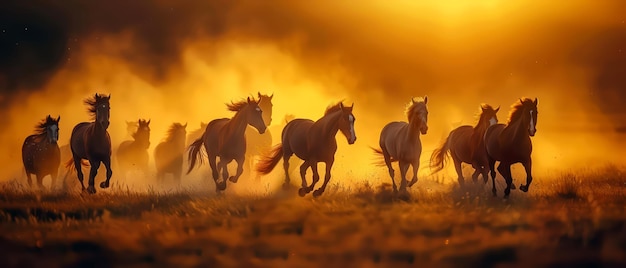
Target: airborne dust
{"points": [[172, 62]]}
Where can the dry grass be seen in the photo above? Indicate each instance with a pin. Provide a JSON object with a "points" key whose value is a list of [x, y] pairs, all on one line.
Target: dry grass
{"points": [[571, 219]]}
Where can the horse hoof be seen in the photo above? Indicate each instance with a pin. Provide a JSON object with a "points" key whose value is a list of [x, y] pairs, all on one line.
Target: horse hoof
{"points": [[222, 186], [317, 193], [404, 195], [524, 188], [302, 192], [413, 181], [233, 179], [104, 185]]}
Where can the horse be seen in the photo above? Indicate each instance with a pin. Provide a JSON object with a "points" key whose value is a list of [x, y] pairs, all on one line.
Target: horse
{"points": [[256, 143], [224, 138], [134, 154], [465, 145], [511, 144], [168, 154], [400, 141], [91, 141], [40, 152], [313, 142]]}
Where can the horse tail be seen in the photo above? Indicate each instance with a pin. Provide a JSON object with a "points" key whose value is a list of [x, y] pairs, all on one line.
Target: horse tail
{"points": [[440, 156], [193, 152], [267, 164], [381, 163]]}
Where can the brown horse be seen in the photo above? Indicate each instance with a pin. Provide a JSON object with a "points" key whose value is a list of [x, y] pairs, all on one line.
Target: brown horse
{"points": [[168, 155], [133, 154], [400, 141], [258, 144], [312, 142], [465, 144], [511, 143], [91, 141], [40, 152], [224, 138]]}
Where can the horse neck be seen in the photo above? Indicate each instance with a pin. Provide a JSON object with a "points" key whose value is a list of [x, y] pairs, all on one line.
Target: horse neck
{"points": [[98, 130], [237, 124], [516, 130], [414, 131], [327, 127]]}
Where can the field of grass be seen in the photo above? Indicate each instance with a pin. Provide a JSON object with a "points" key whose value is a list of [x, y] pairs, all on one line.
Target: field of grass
{"points": [[575, 219]]}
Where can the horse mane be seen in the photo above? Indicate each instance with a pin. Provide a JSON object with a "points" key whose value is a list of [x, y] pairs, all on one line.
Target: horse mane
{"points": [[237, 106], [333, 108], [42, 127], [93, 103], [171, 132], [517, 108], [412, 106]]}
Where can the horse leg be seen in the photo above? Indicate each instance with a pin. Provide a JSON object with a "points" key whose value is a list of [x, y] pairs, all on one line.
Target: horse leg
{"points": [[316, 176], [459, 171], [321, 190], [40, 181], [79, 171], [304, 189], [505, 171], [240, 163], [286, 156], [387, 158], [529, 177], [92, 176], [214, 169], [29, 179], [416, 166], [404, 167], [107, 165], [53, 175], [222, 166]]}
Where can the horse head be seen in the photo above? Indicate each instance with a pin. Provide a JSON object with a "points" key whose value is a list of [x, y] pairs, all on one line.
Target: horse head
{"points": [[488, 114], [418, 114], [530, 110], [346, 123], [52, 129], [102, 109], [265, 102], [255, 115], [143, 133]]}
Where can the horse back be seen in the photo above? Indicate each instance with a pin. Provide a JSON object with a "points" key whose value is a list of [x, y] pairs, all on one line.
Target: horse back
{"points": [[295, 136], [39, 156]]}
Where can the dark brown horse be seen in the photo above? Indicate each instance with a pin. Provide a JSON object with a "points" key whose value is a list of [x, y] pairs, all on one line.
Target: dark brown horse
{"points": [[168, 155], [91, 141], [511, 144], [313, 142], [258, 144], [400, 141], [224, 138], [133, 154], [465, 144], [40, 152]]}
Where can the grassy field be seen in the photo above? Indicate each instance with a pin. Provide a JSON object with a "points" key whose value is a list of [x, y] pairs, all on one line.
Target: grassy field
{"points": [[574, 219]]}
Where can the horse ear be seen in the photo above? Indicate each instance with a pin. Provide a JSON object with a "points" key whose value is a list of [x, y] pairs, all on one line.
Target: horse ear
{"points": [[58, 118], [185, 125], [109, 97], [341, 105], [412, 100], [148, 123], [248, 99], [535, 101], [425, 99], [258, 94], [497, 109], [271, 96]]}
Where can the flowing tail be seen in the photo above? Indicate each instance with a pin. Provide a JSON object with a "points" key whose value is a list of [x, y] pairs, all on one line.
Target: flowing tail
{"points": [[440, 156], [193, 152], [381, 163], [267, 163]]}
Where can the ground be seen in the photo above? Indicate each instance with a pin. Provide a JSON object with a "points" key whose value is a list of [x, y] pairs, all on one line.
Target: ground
{"points": [[575, 219]]}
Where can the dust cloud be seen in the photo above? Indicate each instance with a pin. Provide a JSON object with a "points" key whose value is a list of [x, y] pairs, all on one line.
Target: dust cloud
{"points": [[180, 62]]}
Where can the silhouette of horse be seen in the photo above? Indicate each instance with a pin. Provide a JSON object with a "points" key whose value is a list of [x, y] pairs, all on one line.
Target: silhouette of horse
{"points": [[511, 144], [313, 142], [224, 138], [400, 141], [196, 134], [91, 141], [131, 127], [168, 154], [465, 144], [134, 154], [258, 144], [40, 152]]}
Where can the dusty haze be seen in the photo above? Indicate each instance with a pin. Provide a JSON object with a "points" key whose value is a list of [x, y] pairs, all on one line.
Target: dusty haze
{"points": [[180, 62]]}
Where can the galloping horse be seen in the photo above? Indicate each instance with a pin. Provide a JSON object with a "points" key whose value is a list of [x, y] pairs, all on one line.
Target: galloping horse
{"points": [[91, 141], [465, 144], [224, 138], [400, 141], [168, 155], [258, 144], [312, 142], [134, 154], [40, 152], [511, 143]]}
